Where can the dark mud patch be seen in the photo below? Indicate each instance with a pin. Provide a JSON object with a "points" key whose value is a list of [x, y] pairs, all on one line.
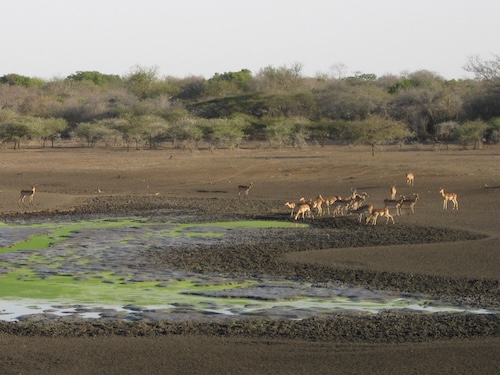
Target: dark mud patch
{"points": [[382, 328]]}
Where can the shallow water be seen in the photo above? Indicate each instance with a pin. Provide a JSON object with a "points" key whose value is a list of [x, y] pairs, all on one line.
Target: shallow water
{"points": [[95, 269]]}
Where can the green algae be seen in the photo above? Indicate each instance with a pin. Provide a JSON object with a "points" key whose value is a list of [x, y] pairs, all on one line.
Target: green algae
{"points": [[105, 287]]}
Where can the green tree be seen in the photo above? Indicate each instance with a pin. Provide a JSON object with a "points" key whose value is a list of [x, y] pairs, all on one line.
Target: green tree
{"points": [[493, 131], [48, 129], [324, 130], [223, 133], [19, 80], [155, 129], [229, 83], [14, 127], [145, 83], [376, 130], [185, 130], [284, 131], [95, 77], [471, 132], [92, 132]]}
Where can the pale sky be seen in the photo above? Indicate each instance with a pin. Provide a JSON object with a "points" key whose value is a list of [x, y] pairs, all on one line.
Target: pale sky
{"points": [[56, 38]]}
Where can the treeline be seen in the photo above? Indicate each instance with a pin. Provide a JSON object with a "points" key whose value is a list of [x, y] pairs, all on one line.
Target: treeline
{"points": [[279, 106]]}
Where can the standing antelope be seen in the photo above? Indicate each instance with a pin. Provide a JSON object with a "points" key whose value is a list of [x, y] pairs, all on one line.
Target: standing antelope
{"points": [[292, 206], [244, 188], [396, 203], [410, 179], [340, 205], [363, 210], [330, 201], [376, 212], [393, 192], [27, 193], [318, 204], [449, 197], [358, 199], [302, 210], [407, 202]]}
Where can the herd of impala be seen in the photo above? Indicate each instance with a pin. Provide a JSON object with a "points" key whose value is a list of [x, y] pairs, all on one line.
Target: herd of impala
{"points": [[356, 204], [334, 205]]}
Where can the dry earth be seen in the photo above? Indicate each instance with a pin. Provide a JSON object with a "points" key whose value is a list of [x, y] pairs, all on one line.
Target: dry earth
{"points": [[462, 266]]}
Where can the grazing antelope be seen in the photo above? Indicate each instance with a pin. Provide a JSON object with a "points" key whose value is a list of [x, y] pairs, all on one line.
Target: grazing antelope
{"points": [[27, 193], [449, 197], [302, 210], [394, 203], [407, 202], [244, 188], [376, 212], [363, 210], [410, 179], [292, 206], [393, 192]]}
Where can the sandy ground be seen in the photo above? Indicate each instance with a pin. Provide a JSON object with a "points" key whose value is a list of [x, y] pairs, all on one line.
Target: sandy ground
{"points": [[66, 178]]}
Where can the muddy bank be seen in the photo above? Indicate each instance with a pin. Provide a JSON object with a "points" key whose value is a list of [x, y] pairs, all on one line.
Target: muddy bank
{"points": [[382, 328], [257, 255]]}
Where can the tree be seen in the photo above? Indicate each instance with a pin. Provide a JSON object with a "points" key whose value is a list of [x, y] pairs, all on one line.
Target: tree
{"points": [[14, 128], [19, 80], [279, 79], [185, 130], [471, 132], [49, 129], [92, 132], [493, 131], [485, 70], [376, 130], [281, 131], [339, 70], [155, 129], [144, 82], [328, 129], [95, 77], [229, 83], [223, 133]]}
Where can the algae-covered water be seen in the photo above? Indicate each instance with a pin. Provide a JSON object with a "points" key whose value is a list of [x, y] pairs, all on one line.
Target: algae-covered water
{"points": [[95, 269]]}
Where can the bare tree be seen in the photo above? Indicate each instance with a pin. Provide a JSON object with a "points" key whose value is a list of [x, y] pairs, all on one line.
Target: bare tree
{"points": [[339, 70], [485, 70]]}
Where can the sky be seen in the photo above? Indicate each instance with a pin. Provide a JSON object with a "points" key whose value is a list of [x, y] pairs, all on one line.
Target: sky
{"points": [[181, 38]]}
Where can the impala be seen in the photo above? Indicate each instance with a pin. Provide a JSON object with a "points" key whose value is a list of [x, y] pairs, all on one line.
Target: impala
{"points": [[358, 199], [318, 204], [363, 210], [408, 202], [330, 201], [449, 197], [27, 193], [394, 203], [340, 205], [376, 212], [393, 191], [302, 210], [410, 179], [292, 206], [245, 189]]}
